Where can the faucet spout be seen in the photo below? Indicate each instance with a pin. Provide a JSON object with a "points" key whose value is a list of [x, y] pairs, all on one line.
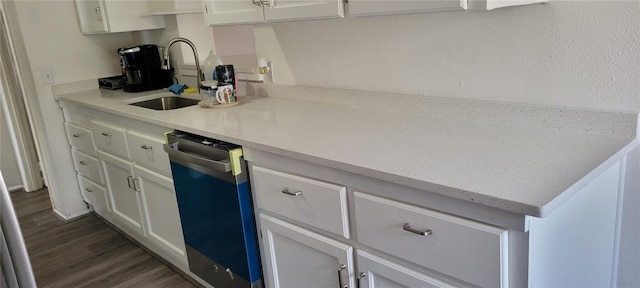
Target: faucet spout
{"points": [[167, 64]]}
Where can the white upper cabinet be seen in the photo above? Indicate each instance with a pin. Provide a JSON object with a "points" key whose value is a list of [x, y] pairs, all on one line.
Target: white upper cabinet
{"points": [[226, 12], [107, 16], [282, 10], [387, 7], [368, 7]]}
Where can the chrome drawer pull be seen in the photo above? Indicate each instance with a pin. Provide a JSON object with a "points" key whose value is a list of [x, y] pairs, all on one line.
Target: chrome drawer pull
{"points": [[106, 134], [83, 163], [88, 189], [340, 268], [230, 273], [129, 180], [135, 186], [407, 227], [77, 135], [145, 147], [285, 190]]}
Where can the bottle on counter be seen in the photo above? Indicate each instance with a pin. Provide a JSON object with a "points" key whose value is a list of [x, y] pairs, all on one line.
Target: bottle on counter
{"points": [[209, 66]]}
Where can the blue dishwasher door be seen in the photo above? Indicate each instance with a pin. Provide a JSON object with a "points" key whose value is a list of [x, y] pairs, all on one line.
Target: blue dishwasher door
{"points": [[218, 225]]}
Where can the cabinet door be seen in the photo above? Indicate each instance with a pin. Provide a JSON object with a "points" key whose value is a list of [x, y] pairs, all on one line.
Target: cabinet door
{"points": [[125, 203], [91, 15], [160, 211], [386, 7], [296, 257], [280, 10], [225, 12], [377, 272]]}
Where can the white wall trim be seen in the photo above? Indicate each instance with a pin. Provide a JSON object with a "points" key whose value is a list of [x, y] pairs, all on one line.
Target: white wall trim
{"points": [[20, 131]]}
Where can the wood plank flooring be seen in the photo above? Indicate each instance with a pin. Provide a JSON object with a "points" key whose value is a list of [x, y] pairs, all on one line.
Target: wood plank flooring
{"points": [[86, 252]]}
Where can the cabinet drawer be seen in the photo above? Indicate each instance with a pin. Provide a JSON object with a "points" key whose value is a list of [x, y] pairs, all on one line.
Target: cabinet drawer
{"points": [[147, 150], [80, 138], [317, 203], [86, 165], [93, 194], [110, 137], [464, 249]]}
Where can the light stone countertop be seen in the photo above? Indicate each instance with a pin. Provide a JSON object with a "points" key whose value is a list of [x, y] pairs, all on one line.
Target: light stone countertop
{"points": [[513, 161]]}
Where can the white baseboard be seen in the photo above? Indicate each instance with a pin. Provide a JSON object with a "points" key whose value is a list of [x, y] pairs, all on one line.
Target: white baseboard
{"points": [[15, 188]]}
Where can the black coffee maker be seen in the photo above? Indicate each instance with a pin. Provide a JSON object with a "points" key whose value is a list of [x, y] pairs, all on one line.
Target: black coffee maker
{"points": [[142, 67]]}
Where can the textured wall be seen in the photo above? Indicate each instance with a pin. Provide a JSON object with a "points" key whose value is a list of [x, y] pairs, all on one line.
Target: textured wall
{"points": [[568, 53]]}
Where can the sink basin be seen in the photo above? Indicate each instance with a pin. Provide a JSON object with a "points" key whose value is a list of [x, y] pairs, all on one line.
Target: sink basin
{"points": [[166, 103]]}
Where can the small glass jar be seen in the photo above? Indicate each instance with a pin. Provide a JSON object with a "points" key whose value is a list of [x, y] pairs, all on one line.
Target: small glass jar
{"points": [[208, 92]]}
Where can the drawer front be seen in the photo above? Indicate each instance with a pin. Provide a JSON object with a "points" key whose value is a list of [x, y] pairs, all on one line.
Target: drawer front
{"points": [[87, 166], [77, 118], [80, 138], [319, 204], [464, 249], [93, 194], [110, 137], [147, 150]]}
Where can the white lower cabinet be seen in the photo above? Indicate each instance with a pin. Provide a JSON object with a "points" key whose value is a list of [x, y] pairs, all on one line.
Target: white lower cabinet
{"points": [[145, 202], [160, 211], [417, 246], [296, 257], [377, 272], [125, 200]]}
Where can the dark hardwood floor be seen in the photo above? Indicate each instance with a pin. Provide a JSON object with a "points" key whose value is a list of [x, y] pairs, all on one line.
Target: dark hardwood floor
{"points": [[86, 252]]}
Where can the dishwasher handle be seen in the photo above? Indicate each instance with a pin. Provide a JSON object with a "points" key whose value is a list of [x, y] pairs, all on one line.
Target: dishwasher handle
{"points": [[184, 157]]}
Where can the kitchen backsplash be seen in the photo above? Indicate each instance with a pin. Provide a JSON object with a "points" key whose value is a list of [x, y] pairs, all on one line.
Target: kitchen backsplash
{"points": [[561, 118]]}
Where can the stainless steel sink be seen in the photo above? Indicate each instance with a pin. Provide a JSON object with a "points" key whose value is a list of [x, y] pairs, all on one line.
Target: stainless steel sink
{"points": [[165, 103]]}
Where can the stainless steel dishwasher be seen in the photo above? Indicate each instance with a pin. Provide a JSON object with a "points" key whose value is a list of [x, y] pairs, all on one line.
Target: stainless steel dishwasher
{"points": [[216, 210]]}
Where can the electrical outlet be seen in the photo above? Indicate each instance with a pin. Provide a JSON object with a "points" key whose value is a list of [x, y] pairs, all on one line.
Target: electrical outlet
{"points": [[270, 71], [47, 76]]}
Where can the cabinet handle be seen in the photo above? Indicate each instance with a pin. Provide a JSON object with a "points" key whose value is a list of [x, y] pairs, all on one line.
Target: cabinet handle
{"points": [[129, 181], [77, 135], [285, 190], [98, 14], [83, 163], [106, 134], [340, 268], [407, 227], [360, 276], [256, 2], [230, 273], [145, 147], [88, 190], [136, 186]]}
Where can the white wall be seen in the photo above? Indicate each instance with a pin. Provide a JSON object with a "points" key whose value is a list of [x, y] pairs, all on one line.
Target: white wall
{"points": [[8, 162], [55, 42], [568, 53]]}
